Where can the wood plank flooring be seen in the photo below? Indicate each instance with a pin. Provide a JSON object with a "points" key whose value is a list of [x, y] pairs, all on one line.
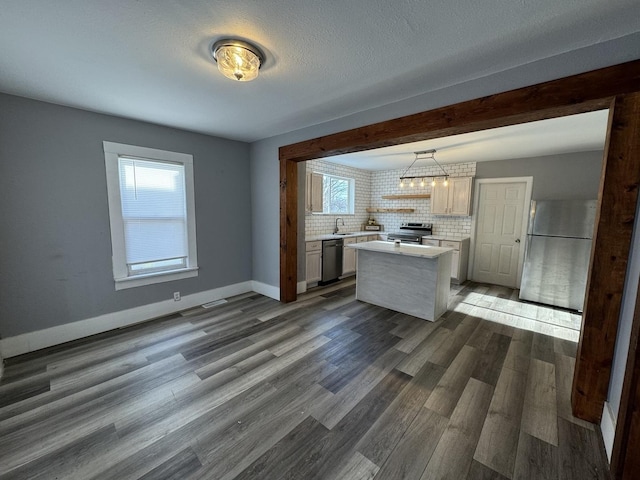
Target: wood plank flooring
{"points": [[326, 388]]}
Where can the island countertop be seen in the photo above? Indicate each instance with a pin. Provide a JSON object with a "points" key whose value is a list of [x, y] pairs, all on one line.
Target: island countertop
{"points": [[452, 238], [423, 251]]}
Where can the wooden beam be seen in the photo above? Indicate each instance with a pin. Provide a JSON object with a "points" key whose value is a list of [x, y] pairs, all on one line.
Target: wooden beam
{"points": [[629, 469], [627, 436], [579, 93], [288, 230], [567, 96], [609, 257]]}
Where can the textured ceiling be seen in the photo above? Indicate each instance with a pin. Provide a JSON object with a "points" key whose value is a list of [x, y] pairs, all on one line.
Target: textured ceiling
{"points": [[149, 59], [578, 133]]}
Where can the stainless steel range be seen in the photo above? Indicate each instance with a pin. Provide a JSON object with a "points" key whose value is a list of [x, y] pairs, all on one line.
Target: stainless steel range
{"points": [[411, 232]]}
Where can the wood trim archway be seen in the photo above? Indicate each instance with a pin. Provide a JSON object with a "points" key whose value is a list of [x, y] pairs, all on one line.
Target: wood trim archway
{"points": [[616, 88]]}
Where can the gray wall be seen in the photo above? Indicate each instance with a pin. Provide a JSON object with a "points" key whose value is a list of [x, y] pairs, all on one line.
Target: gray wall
{"points": [[55, 265], [264, 153], [571, 176], [265, 209]]}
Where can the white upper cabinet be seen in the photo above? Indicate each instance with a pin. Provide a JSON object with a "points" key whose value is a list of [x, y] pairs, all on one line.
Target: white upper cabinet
{"points": [[439, 199], [314, 192], [453, 199]]}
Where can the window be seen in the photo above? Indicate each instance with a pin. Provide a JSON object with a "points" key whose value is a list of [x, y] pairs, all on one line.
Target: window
{"points": [[152, 216], [337, 195]]}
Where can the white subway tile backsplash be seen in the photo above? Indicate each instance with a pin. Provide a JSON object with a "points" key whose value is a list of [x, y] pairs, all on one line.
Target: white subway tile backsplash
{"points": [[320, 224], [388, 183], [372, 185]]}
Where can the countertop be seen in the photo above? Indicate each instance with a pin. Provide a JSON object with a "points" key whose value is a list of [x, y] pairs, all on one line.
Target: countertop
{"points": [[331, 236], [451, 238], [423, 251]]}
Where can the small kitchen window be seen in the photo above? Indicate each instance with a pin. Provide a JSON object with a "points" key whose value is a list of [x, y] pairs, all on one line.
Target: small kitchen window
{"points": [[152, 216], [338, 195]]}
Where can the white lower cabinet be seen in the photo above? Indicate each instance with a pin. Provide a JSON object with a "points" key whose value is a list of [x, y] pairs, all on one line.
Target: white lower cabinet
{"points": [[314, 262], [349, 257], [431, 243], [459, 258], [455, 266]]}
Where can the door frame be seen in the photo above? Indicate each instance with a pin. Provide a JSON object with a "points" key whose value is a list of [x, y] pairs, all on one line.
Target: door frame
{"points": [[528, 192]]}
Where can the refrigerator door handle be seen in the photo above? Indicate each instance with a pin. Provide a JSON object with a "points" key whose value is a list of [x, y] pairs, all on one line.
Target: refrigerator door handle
{"points": [[532, 217], [527, 247]]}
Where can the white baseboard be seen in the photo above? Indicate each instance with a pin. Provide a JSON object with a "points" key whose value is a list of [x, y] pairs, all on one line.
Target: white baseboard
{"points": [[608, 428], [302, 287], [266, 290], [29, 342]]}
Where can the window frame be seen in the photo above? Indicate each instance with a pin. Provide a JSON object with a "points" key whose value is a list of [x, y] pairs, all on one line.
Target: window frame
{"points": [[122, 278], [351, 200]]}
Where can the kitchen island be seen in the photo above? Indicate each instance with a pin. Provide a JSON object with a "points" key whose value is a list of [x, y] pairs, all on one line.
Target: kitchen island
{"points": [[412, 279]]}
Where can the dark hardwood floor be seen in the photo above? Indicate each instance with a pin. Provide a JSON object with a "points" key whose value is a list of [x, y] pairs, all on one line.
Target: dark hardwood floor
{"points": [[327, 387]]}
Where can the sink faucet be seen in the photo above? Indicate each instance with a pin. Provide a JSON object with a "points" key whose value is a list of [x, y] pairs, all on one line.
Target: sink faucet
{"points": [[335, 230]]}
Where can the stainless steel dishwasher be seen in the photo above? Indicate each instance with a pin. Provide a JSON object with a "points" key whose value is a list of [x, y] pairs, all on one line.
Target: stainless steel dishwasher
{"points": [[331, 260]]}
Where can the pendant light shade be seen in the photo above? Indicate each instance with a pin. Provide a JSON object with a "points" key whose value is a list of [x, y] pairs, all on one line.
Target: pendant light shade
{"points": [[237, 60]]}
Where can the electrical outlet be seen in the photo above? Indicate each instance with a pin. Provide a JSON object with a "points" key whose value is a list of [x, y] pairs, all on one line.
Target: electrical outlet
{"points": [[176, 296]]}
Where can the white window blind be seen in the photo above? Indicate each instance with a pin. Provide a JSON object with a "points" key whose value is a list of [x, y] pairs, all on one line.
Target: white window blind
{"points": [[151, 214], [154, 214]]}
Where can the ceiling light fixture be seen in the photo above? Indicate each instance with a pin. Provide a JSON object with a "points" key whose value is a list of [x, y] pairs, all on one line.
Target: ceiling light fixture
{"points": [[430, 154], [237, 59]]}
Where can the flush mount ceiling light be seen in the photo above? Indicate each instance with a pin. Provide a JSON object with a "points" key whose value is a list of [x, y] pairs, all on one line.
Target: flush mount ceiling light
{"points": [[429, 154], [237, 59]]}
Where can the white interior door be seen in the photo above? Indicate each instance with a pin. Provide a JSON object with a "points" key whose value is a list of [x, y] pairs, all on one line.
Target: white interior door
{"points": [[500, 231]]}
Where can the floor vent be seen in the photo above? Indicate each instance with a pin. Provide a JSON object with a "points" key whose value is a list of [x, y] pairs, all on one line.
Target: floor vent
{"points": [[214, 303]]}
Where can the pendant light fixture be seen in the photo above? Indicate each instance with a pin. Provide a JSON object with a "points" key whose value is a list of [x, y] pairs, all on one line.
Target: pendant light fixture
{"points": [[430, 154], [237, 59]]}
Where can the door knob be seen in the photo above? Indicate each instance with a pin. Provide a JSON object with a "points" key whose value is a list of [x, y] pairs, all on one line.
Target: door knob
{"points": [[517, 240]]}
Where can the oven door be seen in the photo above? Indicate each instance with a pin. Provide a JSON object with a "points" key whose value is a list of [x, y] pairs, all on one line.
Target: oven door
{"points": [[403, 240]]}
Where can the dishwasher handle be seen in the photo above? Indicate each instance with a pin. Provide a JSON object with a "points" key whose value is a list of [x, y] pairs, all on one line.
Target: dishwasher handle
{"points": [[332, 243]]}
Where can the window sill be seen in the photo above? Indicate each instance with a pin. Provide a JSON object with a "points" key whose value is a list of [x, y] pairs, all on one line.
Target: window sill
{"points": [[158, 277]]}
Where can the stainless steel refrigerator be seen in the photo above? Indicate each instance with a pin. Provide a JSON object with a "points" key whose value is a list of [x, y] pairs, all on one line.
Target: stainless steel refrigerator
{"points": [[557, 252]]}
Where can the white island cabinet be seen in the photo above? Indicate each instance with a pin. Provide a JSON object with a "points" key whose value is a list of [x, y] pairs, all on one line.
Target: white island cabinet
{"points": [[412, 279]]}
